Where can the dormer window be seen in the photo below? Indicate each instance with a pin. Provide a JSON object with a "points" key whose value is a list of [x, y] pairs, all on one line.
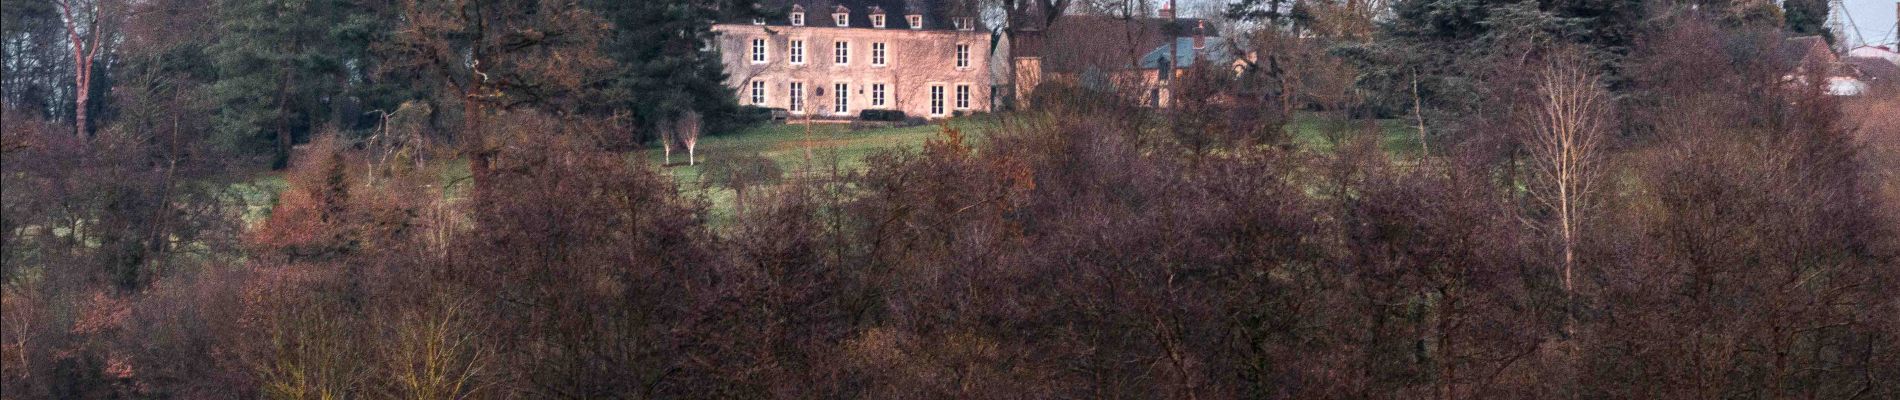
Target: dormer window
{"points": [[916, 21], [877, 21], [798, 16], [966, 23], [842, 19]]}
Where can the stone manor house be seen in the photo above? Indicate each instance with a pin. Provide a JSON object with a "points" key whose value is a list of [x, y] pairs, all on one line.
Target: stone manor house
{"points": [[832, 59]]}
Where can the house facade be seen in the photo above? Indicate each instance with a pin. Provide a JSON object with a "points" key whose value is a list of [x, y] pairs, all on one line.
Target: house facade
{"points": [[832, 59]]}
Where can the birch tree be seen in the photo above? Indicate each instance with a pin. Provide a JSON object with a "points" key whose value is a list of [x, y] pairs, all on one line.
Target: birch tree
{"points": [[1567, 119]]}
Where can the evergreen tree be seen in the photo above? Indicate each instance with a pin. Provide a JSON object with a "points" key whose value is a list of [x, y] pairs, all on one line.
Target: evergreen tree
{"points": [[665, 63], [279, 72], [1807, 17]]}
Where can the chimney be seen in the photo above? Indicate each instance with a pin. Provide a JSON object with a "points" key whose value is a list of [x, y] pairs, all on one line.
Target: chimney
{"points": [[1167, 11], [1200, 35]]}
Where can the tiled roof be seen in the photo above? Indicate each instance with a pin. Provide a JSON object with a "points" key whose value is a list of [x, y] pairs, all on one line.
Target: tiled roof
{"points": [[1078, 43]]}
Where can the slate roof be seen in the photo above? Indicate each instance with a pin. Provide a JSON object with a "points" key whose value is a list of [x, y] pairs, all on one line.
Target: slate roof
{"points": [[1874, 70], [938, 14], [1214, 51], [1796, 51]]}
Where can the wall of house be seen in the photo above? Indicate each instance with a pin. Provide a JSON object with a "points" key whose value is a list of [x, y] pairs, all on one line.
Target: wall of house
{"points": [[916, 60]]}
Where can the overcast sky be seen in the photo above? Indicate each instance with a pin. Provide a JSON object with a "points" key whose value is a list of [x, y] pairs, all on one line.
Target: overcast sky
{"points": [[1875, 19]]}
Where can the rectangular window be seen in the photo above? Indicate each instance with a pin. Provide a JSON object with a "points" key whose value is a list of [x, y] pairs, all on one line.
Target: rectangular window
{"points": [[877, 95], [758, 93], [798, 52], [936, 100], [797, 105], [916, 21], [841, 19], [843, 53], [758, 51], [798, 19], [962, 97], [877, 54], [966, 23], [843, 92], [877, 20], [963, 56], [758, 21]]}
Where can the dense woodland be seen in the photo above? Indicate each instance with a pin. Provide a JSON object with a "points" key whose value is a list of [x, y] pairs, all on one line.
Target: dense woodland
{"points": [[1608, 199]]}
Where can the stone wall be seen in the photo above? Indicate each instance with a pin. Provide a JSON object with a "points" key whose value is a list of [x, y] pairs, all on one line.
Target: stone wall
{"points": [[916, 60]]}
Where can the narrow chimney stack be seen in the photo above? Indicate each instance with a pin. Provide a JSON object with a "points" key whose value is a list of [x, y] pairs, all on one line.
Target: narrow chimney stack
{"points": [[1200, 35]]}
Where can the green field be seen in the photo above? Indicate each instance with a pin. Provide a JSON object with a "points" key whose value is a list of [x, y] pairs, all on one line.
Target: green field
{"points": [[789, 144]]}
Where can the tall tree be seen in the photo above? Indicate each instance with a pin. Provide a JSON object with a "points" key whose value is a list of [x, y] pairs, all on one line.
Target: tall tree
{"points": [[664, 66], [499, 55], [86, 23], [278, 71], [1807, 17]]}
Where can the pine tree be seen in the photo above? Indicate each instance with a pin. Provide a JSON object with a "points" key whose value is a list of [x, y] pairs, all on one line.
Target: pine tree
{"points": [[665, 66], [279, 74]]}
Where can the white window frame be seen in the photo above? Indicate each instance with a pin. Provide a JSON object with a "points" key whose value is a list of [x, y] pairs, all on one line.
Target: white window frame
{"points": [[842, 95], [843, 20], [877, 21], [758, 21], [936, 100], [878, 94], [798, 19], [760, 50], [758, 93], [797, 56], [916, 21], [965, 23], [841, 53], [795, 101], [963, 56], [963, 96], [878, 51]]}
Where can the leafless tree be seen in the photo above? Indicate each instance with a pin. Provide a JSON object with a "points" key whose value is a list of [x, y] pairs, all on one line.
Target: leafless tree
{"points": [[86, 23], [1568, 119], [686, 129]]}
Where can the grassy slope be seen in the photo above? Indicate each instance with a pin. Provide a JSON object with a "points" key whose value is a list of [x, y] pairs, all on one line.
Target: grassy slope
{"points": [[786, 144]]}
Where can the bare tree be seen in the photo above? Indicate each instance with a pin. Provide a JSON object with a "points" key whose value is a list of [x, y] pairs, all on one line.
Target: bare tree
{"points": [[85, 22], [686, 129], [1567, 120]]}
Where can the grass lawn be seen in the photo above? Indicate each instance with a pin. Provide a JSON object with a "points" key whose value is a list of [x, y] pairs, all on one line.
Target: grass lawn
{"points": [[1315, 132], [787, 144]]}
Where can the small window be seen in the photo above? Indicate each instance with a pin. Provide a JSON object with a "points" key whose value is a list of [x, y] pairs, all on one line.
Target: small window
{"points": [[758, 51], [758, 93], [797, 105], [798, 52], [877, 20], [963, 97], [963, 56], [965, 23], [877, 54], [877, 95], [798, 19], [916, 21], [842, 53], [758, 21], [843, 105], [936, 100], [841, 19]]}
